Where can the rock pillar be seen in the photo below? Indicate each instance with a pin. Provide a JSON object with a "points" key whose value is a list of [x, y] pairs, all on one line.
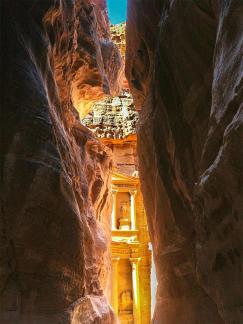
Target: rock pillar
{"points": [[113, 215], [133, 209], [114, 288], [136, 293]]}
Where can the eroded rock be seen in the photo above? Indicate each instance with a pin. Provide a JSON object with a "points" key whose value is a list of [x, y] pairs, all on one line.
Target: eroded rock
{"points": [[185, 72], [57, 55], [114, 119]]}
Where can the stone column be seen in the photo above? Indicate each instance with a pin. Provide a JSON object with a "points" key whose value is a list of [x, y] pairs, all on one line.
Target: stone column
{"points": [[136, 291], [133, 209], [114, 285], [113, 215]]}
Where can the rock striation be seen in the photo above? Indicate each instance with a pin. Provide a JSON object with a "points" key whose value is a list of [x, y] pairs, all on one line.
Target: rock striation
{"points": [[184, 66], [56, 56], [114, 119]]}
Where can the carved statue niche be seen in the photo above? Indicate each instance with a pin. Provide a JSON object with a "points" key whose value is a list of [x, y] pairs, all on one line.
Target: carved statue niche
{"points": [[124, 222], [126, 302]]}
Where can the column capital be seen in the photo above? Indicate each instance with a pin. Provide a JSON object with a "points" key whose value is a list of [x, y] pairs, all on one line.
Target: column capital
{"points": [[115, 259], [114, 191], [135, 261], [133, 192]]}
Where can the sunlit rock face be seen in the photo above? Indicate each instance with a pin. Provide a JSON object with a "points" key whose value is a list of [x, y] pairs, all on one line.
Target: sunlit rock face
{"points": [[56, 174], [184, 65], [114, 119], [89, 58], [118, 35]]}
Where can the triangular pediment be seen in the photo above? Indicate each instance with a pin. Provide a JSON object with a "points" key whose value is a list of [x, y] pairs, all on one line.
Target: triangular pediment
{"points": [[123, 178]]}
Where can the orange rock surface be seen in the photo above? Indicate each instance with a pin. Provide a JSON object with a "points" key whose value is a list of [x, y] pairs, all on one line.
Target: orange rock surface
{"points": [[54, 221]]}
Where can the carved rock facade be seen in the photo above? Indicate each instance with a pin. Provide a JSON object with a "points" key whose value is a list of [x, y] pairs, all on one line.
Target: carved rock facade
{"points": [[113, 118], [185, 72]]}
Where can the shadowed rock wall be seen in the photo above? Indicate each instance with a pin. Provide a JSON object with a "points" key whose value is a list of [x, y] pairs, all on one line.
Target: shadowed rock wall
{"points": [[184, 65], [54, 214]]}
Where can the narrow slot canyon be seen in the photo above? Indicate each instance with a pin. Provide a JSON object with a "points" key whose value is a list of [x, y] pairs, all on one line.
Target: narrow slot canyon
{"points": [[122, 162]]}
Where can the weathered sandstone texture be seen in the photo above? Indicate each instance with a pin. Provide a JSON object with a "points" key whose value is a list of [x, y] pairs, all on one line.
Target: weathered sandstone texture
{"points": [[184, 65], [56, 55], [118, 35], [114, 119]]}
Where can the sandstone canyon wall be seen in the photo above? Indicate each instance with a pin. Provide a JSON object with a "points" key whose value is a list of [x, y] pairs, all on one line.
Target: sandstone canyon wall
{"points": [[184, 65], [114, 119], [56, 55]]}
